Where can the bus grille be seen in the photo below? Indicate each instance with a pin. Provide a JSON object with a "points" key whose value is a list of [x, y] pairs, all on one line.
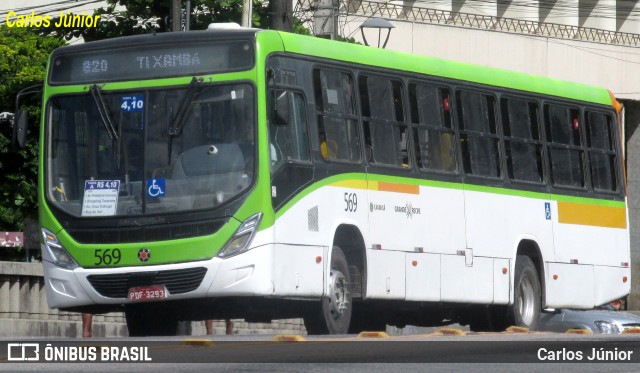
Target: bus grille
{"points": [[145, 233], [177, 281]]}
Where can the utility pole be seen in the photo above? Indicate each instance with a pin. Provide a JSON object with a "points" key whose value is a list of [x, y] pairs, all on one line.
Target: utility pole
{"points": [[280, 15], [247, 13], [176, 15], [325, 19], [187, 16]]}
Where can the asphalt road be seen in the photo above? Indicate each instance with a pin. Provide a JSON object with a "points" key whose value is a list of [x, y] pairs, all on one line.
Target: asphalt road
{"points": [[473, 352]]}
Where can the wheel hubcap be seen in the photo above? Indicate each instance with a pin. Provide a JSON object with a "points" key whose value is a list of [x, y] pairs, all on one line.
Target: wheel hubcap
{"points": [[339, 292], [526, 301]]}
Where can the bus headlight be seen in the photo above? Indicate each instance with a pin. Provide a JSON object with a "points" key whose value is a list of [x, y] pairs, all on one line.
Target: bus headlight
{"points": [[57, 252], [242, 238]]}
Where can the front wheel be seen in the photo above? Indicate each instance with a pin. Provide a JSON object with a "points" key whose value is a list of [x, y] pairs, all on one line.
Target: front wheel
{"points": [[334, 312]]}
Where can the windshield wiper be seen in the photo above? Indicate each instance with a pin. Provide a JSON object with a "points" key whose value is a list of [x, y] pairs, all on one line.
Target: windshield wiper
{"points": [[104, 114], [182, 109], [176, 128]]}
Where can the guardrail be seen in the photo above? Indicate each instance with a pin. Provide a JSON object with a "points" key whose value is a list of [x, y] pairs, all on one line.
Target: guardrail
{"points": [[305, 8], [22, 295]]}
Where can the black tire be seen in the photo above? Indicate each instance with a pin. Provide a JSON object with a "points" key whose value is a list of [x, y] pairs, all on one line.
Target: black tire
{"points": [[145, 320], [527, 302], [333, 314]]}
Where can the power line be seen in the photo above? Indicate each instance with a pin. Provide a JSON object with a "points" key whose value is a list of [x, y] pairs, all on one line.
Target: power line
{"points": [[555, 9], [49, 8], [17, 10]]}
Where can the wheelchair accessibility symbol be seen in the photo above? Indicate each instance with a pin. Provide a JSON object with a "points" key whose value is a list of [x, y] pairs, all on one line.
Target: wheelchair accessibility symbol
{"points": [[156, 187]]}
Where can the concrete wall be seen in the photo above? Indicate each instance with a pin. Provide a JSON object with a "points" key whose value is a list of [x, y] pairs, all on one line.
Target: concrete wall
{"points": [[24, 312]]}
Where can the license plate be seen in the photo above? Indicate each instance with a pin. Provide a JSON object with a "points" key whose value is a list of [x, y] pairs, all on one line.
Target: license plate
{"points": [[143, 293]]}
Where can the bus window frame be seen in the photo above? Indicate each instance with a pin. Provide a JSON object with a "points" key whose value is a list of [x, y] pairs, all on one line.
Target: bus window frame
{"points": [[401, 79], [585, 188], [305, 104], [319, 113], [416, 125], [541, 139], [499, 133], [616, 151]]}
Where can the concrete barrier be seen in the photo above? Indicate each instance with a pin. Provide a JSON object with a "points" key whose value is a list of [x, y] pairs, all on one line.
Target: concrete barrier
{"points": [[24, 312]]}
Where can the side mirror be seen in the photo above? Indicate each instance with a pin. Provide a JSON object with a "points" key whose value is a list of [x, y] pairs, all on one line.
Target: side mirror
{"points": [[19, 136], [281, 105]]}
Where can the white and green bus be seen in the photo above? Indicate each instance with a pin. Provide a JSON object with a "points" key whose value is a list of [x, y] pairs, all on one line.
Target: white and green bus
{"points": [[265, 175]]}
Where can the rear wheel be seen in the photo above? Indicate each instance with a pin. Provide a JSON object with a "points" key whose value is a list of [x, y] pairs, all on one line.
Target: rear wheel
{"points": [[525, 310], [334, 312]]}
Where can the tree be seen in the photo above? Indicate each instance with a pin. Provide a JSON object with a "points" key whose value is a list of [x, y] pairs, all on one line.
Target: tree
{"points": [[24, 58], [134, 17]]}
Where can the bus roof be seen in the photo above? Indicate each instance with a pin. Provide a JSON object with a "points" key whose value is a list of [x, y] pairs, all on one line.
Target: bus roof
{"points": [[438, 67], [341, 51]]}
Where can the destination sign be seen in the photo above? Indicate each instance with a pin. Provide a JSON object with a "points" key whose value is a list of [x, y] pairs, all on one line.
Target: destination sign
{"points": [[150, 62]]}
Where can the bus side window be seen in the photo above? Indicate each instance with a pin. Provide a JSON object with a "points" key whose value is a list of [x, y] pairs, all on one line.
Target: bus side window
{"points": [[289, 140], [602, 151], [336, 112], [383, 119], [566, 153], [478, 134], [434, 138], [523, 146]]}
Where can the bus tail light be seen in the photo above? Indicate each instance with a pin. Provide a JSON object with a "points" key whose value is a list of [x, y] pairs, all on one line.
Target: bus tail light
{"points": [[58, 254], [242, 238]]}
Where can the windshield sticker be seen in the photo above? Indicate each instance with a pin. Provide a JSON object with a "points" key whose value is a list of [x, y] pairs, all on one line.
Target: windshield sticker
{"points": [[132, 104], [100, 197], [156, 187]]}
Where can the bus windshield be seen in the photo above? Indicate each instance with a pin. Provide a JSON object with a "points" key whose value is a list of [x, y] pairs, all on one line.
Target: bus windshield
{"points": [[118, 154]]}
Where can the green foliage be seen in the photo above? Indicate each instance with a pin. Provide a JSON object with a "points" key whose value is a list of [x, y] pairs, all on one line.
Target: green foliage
{"points": [[134, 17], [24, 57]]}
